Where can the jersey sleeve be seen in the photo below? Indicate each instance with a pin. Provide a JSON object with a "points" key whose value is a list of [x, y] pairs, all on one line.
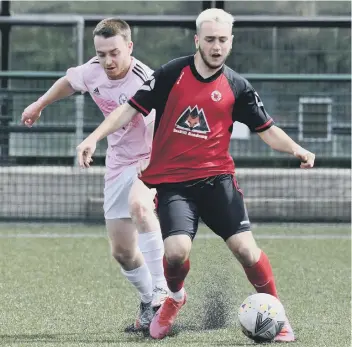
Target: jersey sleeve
{"points": [[146, 98], [249, 110], [75, 76]]}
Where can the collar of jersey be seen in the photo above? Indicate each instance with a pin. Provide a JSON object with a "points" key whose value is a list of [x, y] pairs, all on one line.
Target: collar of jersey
{"points": [[199, 77]]}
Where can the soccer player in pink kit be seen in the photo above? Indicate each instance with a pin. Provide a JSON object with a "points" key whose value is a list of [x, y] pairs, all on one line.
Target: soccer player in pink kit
{"points": [[111, 78]]}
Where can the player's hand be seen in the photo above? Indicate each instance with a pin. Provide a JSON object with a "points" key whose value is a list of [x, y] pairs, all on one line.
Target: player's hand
{"points": [[142, 165], [85, 151], [31, 114], [307, 158]]}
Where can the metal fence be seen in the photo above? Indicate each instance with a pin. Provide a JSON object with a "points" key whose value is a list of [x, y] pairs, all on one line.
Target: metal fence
{"points": [[314, 109], [305, 87]]}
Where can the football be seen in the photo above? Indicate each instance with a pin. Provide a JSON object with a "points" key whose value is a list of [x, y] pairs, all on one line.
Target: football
{"points": [[261, 317]]}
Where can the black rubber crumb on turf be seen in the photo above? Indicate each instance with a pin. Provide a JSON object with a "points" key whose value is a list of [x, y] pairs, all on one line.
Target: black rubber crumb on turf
{"points": [[215, 311]]}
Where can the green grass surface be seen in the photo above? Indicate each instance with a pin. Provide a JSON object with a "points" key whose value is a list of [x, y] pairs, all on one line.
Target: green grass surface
{"points": [[69, 292]]}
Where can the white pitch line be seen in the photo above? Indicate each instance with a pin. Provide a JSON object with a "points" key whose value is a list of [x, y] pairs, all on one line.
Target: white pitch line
{"points": [[53, 236], [290, 237], [199, 236]]}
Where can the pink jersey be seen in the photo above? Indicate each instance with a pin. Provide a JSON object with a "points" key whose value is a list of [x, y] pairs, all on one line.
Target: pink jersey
{"points": [[133, 142]]}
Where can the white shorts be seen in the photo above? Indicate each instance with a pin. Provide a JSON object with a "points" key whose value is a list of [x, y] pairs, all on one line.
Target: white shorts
{"points": [[116, 194]]}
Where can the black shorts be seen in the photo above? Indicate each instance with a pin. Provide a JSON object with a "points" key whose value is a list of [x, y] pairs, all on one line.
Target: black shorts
{"points": [[217, 200]]}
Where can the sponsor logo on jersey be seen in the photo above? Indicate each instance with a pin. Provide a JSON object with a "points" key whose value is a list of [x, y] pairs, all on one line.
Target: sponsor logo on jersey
{"points": [[192, 122]]}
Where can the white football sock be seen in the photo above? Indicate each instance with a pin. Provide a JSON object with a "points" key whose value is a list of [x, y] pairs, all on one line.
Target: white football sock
{"points": [[140, 278], [152, 247], [178, 296]]}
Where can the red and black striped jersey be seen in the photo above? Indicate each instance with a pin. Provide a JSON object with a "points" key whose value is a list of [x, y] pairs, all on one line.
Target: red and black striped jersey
{"points": [[194, 120]]}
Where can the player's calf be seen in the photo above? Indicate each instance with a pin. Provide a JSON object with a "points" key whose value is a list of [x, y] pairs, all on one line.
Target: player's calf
{"points": [[254, 261]]}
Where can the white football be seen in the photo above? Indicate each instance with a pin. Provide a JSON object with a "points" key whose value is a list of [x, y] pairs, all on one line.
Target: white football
{"points": [[262, 317]]}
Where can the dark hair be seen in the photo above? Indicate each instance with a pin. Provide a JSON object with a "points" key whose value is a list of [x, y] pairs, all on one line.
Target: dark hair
{"points": [[110, 27]]}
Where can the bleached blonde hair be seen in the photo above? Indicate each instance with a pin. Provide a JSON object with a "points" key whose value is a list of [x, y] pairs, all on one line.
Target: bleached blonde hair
{"points": [[214, 15]]}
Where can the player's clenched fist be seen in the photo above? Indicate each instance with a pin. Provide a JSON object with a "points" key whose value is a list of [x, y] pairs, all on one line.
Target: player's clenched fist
{"points": [[85, 151], [31, 114], [307, 158]]}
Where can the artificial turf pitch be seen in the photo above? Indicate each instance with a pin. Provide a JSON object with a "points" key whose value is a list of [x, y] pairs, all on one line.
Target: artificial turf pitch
{"points": [[59, 286]]}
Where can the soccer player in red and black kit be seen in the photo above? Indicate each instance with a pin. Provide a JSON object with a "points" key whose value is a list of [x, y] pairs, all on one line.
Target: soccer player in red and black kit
{"points": [[197, 99]]}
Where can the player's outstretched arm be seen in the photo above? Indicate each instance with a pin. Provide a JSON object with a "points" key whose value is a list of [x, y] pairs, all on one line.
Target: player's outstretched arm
{"points": [[277, 139], [59, 90], [116, 120]]}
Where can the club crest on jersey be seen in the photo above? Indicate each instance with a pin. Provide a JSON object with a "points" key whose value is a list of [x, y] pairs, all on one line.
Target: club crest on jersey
{"points": [[216, 96], [192, 122]]}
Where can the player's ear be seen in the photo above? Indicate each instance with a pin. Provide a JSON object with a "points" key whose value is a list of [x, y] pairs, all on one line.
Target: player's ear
{"points": [[231, 42], [196, 41], [130, 47]]}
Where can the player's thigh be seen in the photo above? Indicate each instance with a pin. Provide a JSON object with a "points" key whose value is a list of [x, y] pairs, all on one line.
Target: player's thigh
{"points": [[141, 195], [142, 207], [123, 236], [222, 207], [177, 212], [116, 194]]}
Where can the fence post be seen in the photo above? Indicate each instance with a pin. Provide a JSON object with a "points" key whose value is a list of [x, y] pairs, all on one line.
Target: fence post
{"points": [[5, 117], [79, 99]]}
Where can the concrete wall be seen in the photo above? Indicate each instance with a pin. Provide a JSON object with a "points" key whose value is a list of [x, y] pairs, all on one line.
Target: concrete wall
{"points": [[60, 193]]}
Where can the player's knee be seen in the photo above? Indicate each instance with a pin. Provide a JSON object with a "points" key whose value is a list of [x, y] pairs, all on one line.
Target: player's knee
{"points": [[247, 255], [177, 249], [123, 256], [244, 248], [176, 256]]}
